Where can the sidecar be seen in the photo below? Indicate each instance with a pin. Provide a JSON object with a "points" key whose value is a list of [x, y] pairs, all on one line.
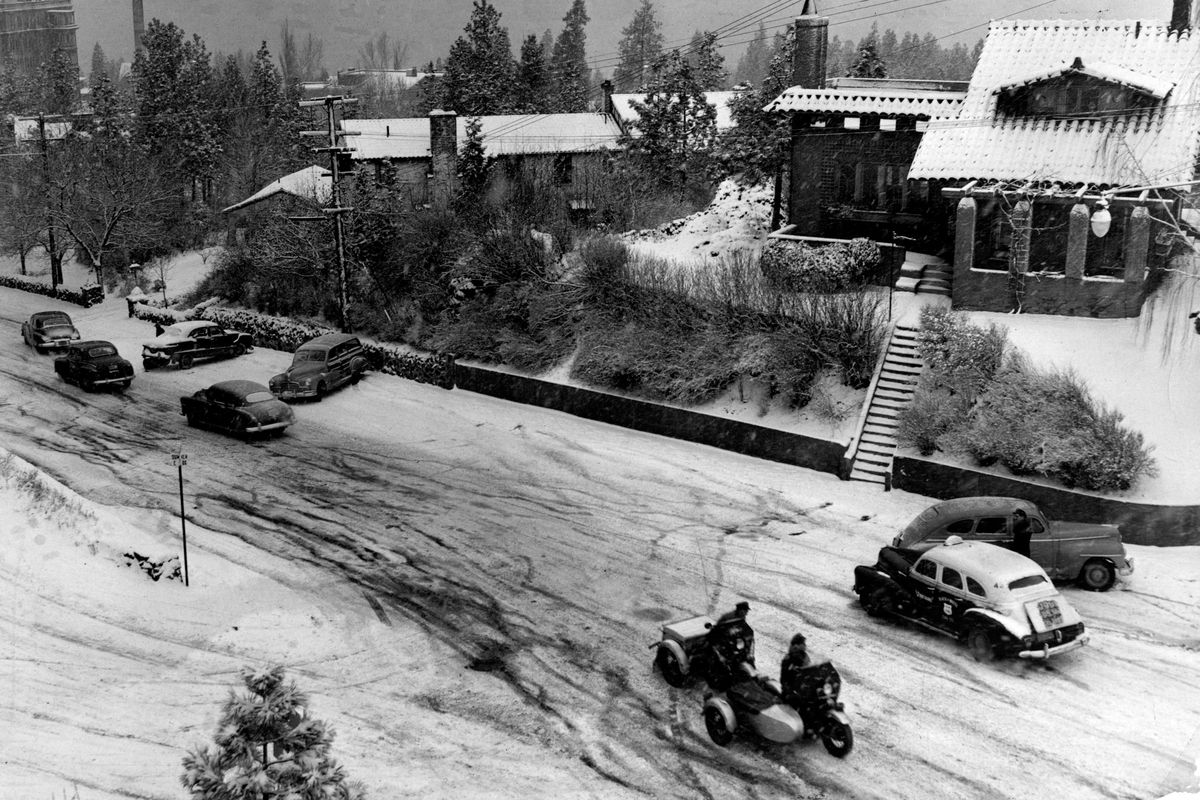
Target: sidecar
{"points": [[756, 704]]}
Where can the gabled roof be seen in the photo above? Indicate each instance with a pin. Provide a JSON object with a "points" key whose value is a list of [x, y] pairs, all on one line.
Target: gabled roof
{"points": [[311, 183], [623, 107], [887, 101], [503, 135], [1110, 73], [1151, 145]]}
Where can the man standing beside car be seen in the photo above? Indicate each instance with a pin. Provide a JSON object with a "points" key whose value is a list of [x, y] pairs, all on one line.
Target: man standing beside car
{"points": [[1022, 531]]}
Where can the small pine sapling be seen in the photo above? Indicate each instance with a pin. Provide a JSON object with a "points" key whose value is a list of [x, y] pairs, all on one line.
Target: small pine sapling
{"points": [[267, 747]]}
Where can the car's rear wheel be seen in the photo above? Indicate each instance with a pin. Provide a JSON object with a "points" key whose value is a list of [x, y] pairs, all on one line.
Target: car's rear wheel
{"points": [[669, 666], [718, 731], [979, 641], [838, 739], [876, 602], [1097, 575], [356, 376], [185, 360], [239, 349]]}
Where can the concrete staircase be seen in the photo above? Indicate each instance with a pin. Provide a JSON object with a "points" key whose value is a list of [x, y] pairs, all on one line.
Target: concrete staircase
{"points": [[871, 460], [925, 274]]}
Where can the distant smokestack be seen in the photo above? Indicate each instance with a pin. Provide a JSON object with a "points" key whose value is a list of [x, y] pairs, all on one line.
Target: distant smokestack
{"points": [[139, 26], [1181, 15], [812, 46]]}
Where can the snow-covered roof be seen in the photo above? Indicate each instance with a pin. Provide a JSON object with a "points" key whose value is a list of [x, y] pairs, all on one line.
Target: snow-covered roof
{"points": [[1156, 145], [623, 107], [310, 183], [503, 135], [1147, 84], [25, 129], [882, 100]]}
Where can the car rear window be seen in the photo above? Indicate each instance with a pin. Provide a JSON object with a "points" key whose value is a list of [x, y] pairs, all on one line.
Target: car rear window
{"points": [[1027, 581], [101, 350], [173, 330], [258, 397], [50, 322], [974, 588]]}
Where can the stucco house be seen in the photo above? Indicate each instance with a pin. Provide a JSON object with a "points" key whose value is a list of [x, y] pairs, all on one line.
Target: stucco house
{"points": [[1067, 162], [568, 150]]}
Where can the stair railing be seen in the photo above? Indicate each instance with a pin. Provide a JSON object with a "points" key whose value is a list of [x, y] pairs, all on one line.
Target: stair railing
{"points": [[851, 451]]}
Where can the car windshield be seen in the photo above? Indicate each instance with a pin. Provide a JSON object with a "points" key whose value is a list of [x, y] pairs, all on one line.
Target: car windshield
{"points": [[257, 397], [1026, 582], [99, 351], [308, 354]]}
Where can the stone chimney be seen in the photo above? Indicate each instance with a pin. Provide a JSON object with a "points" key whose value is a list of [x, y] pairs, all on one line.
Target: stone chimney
{"points": [[607, 87], [139, 26], [812, 47], [443, 156], [1181, 15]]}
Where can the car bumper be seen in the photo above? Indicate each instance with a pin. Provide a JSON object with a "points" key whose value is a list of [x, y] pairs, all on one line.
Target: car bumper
{"points": [[1046, 651], [156, 357], [269, 426], [114, 379], [294, 393], [1126, 570], [55, 344]]}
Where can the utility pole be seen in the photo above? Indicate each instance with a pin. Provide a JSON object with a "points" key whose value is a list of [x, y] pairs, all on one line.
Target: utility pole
{"points": [[56, 276], [336, 210]]}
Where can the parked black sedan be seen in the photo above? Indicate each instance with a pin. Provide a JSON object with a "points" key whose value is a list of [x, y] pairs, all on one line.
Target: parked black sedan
{"points": [[93, 364], [49, 330], [242, 408]]}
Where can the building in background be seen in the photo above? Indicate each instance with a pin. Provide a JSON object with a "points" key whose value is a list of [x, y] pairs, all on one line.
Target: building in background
{"points": [[31, 30]]}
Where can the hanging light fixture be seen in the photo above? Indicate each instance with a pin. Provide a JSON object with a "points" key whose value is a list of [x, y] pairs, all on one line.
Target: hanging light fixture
{"points": [[1101, 219]]}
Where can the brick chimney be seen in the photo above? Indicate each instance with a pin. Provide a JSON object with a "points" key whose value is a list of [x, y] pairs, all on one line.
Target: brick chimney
{"points": [[812, 47], [606, 86], [443, 156], [1181, 15]]}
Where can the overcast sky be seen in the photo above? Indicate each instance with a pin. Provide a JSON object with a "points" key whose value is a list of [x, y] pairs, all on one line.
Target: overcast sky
{"points": [[429, 27]]}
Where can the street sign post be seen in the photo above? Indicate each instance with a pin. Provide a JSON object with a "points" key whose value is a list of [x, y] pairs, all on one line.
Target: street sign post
{"points": [[178, 460]]}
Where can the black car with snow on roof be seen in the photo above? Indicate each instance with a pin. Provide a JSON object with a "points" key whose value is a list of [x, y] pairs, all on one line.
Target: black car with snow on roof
{"points": [[184, 343], [999, 602]]}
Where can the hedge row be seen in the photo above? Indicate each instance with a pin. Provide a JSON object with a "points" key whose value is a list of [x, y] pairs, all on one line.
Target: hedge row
{"points": [[280, 333], [87, 297]]}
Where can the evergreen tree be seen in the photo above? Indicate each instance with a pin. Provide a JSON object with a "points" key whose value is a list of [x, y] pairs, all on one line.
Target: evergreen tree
{"points": [[474, 168], [569, 70], [868, 64], [640, 46], [172, 79], [753, 65], [887, 49], [708, 65], [267, 747], [480, 72], [58, 82], [99, 65], [756, 145], [533, 78], [676, 127]]}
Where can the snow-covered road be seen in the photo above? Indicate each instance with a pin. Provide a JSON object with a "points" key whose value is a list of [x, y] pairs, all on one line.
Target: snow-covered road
{"points": [[519, 561]]}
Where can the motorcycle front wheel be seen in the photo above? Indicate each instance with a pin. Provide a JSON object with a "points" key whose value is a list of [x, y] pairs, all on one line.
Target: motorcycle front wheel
{"points": [[838, 738]]}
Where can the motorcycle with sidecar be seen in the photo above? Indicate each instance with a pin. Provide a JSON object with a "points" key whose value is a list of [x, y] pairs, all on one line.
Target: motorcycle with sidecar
{"points": [[721, 653]]}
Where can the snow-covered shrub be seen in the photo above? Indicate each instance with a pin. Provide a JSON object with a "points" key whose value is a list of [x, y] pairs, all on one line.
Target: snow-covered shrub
{"points": [[267, 746], [800, 267], [86, 296], [1114, 458], [961, 357], [933, 413]]}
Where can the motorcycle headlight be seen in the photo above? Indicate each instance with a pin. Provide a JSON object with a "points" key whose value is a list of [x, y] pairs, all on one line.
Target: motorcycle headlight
{"points": [[827, 689]]}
